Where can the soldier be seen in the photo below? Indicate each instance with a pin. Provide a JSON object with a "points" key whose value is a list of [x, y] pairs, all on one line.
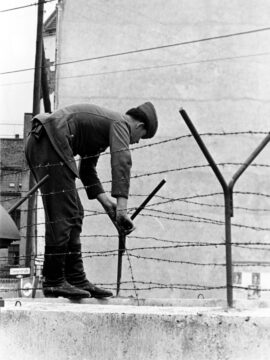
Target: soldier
{"points": [[85, 130]]}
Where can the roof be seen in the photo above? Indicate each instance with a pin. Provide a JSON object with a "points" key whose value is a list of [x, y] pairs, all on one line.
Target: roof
{"points": [[50, 24], [9, 231]]}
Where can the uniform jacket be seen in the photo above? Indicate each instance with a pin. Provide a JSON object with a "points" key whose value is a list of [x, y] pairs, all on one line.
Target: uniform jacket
{"points": [[88, 130]]}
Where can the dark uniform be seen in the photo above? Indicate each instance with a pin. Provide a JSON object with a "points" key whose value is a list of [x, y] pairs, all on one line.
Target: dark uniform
{"points": [[86, 130]]}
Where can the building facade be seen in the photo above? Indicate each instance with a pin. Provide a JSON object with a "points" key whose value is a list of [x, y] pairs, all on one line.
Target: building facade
{"points": [[11, 169], [211, 59]]}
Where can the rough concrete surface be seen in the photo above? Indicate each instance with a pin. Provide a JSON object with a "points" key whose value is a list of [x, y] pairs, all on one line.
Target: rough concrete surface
{"points": [[59, 329]]}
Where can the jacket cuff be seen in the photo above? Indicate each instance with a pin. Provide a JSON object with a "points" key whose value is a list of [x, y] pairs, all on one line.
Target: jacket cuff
{"points": [[94, 191]]}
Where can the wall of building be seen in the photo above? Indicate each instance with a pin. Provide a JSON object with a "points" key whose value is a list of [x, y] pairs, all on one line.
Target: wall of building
{"points": [[223, 85], [11, 160]]}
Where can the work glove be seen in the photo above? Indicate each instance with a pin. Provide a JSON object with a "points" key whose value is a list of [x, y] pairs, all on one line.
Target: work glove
{"points": [[124, 223]]}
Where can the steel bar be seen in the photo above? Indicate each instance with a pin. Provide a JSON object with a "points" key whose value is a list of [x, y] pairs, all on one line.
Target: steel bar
{"points": [[146, 201], [45, 84], [122, 236], [249, 160], [23, 199], [203, 148], [121, 250], [228, 247], [31, 230]]}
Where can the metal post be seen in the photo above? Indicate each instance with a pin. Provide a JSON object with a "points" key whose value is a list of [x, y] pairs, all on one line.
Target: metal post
{"points": [[121, 250], [31, 231], [227, 199], [44, 83], [38, 59], [122, 236], [34, 189], [228, 195], [228, 246]]}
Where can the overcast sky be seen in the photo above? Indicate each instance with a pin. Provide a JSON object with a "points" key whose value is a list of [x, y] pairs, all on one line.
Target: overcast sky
{"points": [[18, 40]]}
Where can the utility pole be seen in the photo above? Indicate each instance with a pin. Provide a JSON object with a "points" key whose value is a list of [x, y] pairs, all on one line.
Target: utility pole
{"points": [[44, 83], [31, 233]]}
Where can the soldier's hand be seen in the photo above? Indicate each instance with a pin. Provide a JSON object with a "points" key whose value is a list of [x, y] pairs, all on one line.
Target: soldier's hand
{"points": [[124, 223], [110, 209], [108, 205]]}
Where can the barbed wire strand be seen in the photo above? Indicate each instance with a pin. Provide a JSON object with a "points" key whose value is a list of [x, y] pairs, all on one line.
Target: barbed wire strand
{"points": [[161, 142]]}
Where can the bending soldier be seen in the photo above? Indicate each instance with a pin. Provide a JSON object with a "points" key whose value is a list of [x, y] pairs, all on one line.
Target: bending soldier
{"points": [[86, 130]]}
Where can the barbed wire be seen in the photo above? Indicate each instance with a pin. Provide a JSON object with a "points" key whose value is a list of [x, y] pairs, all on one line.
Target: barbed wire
{"points": [[188, 218], [114, 252], [161, 172], [153, 173], [222, 206], [106, 153], [171, 216], [146, 286]]}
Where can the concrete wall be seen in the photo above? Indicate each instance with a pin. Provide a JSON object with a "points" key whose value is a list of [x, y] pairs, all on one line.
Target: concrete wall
{"points": [[223, 85], [43, 331]]}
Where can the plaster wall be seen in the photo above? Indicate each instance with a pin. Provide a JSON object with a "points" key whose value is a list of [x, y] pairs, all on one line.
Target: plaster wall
{"points": [[222, 83]]}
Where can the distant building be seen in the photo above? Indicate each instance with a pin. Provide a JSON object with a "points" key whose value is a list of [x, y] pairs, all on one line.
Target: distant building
{"points": [[11, 169], [12, 159]]}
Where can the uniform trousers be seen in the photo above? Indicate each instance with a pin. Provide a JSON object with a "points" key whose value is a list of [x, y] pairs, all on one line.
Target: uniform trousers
{"points": [[62, 205]]}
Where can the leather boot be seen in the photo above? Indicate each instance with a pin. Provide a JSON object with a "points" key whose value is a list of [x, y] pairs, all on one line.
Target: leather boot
{"points": [[75, 274], [55, 284]]}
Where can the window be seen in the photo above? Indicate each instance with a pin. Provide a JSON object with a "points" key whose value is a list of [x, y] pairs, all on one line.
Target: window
{"points": [[237, 278], [256, 279], [13, 255]]}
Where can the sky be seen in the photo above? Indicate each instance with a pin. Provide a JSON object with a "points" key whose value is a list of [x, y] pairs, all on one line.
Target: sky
{"points": [[18, 41]]}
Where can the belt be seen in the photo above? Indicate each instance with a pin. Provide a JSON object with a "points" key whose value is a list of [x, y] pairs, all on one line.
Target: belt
{"points": [[37, 129]]}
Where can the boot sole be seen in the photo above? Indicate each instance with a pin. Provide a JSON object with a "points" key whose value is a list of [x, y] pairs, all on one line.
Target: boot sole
{"points": [[67, 297]]}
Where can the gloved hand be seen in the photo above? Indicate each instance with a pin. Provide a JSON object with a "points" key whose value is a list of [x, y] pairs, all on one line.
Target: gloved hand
{"points": [[117, 213], [124, 223]]}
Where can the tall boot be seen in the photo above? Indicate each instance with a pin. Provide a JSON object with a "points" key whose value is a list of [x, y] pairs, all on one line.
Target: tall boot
{"points": [[55, 284], [75, 274]]}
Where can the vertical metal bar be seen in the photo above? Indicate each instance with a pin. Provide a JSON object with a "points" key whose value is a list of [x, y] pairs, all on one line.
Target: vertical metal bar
{"points": [[38, 59], [31, 231], [122, 236], [44, 83], [121, 250], [228, 247]]}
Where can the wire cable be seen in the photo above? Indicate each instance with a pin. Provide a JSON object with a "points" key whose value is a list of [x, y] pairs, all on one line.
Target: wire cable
{"points": [[130, 52], [146, 68], [26, 6]]}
